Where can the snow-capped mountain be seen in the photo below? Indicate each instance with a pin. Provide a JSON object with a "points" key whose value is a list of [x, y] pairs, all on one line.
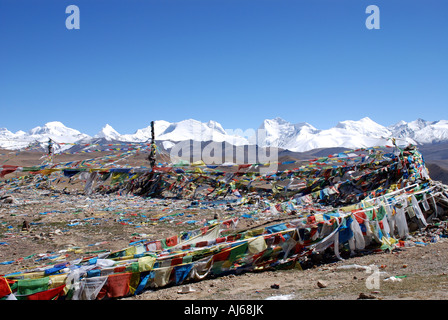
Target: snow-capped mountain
{"points": [[303, 136], [352, 134], [143, 135], [108, 133], [365, 126], [283, 134], [422, 131], [10, 140], [276, 132], [54, 130], [195, 130], [347, 134]]}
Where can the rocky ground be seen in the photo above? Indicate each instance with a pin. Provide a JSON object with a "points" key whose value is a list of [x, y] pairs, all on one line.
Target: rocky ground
{"points": [[62, 226], [417, 273]]}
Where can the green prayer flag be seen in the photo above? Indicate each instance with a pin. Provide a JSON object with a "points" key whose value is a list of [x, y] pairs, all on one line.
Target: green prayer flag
{"points": [[31, 286]]}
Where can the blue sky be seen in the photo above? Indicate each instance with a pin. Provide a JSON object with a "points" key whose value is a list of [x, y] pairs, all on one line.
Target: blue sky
{"points": [[237, 62]]}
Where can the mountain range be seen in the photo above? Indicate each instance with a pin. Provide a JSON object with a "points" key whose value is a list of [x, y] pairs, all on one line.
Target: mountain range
{"points": [[279, 133]]}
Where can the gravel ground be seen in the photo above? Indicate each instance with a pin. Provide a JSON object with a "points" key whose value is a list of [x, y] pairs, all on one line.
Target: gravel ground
{"points": [[419, 272], [110, 223]]}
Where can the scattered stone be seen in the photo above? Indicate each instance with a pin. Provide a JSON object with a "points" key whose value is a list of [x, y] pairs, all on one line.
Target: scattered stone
{"points": [[322, 284], [25, 226], [8, 200], [186, 289], [363, 296], [37, 237]]}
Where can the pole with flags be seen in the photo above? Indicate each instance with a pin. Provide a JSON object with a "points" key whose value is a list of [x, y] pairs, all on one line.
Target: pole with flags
{"points": [[152, 154]]}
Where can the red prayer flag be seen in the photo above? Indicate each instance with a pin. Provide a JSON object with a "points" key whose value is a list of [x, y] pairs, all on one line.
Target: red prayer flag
{"points": [[7, 169], [117, 286], [47, 294], [4, 287]]}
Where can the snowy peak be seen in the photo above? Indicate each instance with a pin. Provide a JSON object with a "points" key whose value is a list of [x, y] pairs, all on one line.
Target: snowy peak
{"points": [[56, 131], [108, 133], [10, 140], [5, 133], [422, 131], [276, 122], [410, 126], [365, 126], [303, 136], [195, 130], [281, 133], [53, 127], [144, 134], [420, 124], [279, 123]]}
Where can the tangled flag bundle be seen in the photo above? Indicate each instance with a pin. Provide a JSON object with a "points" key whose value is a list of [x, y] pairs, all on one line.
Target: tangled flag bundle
{"points": [[349, 200]]}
